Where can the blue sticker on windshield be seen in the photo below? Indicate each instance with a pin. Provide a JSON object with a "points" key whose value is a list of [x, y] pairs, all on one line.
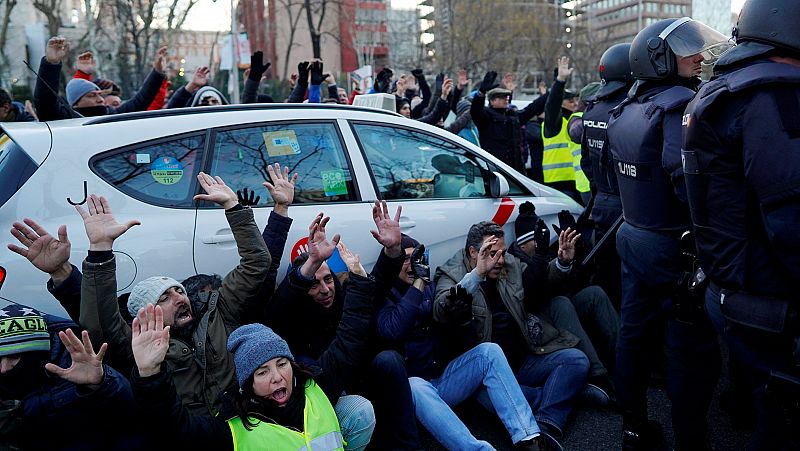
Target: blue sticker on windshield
{"points": [[166, 170]]}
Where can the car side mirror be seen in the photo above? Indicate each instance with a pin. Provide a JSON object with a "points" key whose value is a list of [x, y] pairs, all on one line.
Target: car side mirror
{"points": [[498, 185]]}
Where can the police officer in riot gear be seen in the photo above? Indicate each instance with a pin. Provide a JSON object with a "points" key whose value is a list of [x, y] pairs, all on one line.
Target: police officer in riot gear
{"points": [[742, 169], [644, 137], [616, 80]]}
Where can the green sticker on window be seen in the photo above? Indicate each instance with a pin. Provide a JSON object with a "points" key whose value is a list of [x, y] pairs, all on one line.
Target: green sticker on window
{"points": [[333, 182]]}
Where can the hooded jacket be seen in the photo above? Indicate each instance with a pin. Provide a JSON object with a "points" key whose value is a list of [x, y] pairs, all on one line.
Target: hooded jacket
{"points": [[182, 98]]}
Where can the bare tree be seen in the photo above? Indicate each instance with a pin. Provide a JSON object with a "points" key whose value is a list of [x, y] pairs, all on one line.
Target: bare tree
{"points": [[134, 20], [8, 6], [315, 15], [52, 11], [294, 11]]}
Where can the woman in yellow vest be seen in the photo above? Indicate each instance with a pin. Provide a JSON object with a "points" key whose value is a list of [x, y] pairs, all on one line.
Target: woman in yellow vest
{"points": [[281, 404]]}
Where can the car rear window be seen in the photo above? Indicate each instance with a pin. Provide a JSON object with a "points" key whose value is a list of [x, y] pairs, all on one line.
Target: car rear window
{"points": [[16, 167]]}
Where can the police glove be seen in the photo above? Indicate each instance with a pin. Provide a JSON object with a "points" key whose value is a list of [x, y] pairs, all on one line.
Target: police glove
{"points": [[419, 264], [488, 81], [458, 305], [565, 221], [247, 200], [302, 72], [258, 66], [541, 236], [316, 73]]}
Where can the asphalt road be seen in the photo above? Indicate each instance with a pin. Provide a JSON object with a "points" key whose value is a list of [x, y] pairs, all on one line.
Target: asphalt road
{"points": [[600, 430]]}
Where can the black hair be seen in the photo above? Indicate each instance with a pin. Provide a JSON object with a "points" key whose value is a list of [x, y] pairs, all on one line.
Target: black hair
{"points": [[252, 409], [5, 97], [478, 231]]}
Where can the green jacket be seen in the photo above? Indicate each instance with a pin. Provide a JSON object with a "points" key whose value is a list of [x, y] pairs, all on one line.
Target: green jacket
{"points": [[512, 292], [203, 369]]}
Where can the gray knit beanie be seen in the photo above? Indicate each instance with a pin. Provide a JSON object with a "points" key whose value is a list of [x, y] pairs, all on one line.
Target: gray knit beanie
{"points": [[148, 291], [77, 88], [253, 345]]}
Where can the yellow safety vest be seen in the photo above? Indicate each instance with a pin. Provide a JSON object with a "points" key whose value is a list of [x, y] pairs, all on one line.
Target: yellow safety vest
{"points": [[557, 161], [581, 181], [321, 430]]}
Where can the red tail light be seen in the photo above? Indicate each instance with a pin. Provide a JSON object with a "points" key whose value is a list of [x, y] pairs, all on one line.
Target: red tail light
{"points": [[2, 276]]}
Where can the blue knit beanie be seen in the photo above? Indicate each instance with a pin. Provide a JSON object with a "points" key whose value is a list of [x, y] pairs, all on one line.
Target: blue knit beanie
{"points": [[77, 88], [253, 345]]}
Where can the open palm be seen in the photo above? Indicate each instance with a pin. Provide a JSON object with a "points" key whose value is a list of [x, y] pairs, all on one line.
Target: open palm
{"points": [[101, 227], [319, 248], [87, 366], [44, 251], [150, 340]]}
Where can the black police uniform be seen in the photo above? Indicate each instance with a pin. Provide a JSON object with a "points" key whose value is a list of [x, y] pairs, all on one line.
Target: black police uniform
{"points": [[742, 164], [598, 167]]}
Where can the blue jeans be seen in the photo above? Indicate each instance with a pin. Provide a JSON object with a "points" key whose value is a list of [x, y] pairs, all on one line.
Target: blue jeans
{"points": [[486, 366], [760, 352], [388, 388], [550, 383], [651, 268], [356, 420]]}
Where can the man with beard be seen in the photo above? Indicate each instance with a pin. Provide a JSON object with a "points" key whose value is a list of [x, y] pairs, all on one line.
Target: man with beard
{"points": [[202, 368], [83, 96]]}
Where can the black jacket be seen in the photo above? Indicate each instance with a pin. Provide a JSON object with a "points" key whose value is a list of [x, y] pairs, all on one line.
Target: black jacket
{"points": [[500, 130], [50, 108]]}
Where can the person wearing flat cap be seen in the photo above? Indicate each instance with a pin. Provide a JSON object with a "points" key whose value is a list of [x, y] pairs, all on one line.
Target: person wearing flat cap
{"points": [[280, 403], [500, 127], [52, 381]]}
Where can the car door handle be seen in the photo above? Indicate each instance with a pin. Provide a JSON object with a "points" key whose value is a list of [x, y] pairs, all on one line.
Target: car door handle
{"points": [[407, 223], [219, 239]]}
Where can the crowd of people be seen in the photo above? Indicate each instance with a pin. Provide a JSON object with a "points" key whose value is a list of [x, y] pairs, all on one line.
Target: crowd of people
{"points": [[689, 235]]}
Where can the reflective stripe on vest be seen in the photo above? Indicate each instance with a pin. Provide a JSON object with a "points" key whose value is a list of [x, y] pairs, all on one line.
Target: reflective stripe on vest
{"points": [[557, 161], [581, 181], [321, 428]]}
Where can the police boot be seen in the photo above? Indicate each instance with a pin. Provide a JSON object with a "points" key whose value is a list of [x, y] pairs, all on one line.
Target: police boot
{"points": [[641, 435]]}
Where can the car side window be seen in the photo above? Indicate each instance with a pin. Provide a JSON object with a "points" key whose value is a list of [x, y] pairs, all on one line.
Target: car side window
{"points": [[411, 164], [313, 150], [162, 173]]}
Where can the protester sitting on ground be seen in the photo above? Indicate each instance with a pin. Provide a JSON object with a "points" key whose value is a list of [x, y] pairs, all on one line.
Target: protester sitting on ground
{"points": [[197, 92], [84, 97], [203, 370], [53, 384], [307, 309], [441, 376], [11, 111], [281, 403], [586, 312], [484, 286]]}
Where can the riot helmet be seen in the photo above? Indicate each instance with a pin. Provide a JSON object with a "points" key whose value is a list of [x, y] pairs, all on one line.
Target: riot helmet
{"points": [[655, 49], [614, 69], [772, 22]]}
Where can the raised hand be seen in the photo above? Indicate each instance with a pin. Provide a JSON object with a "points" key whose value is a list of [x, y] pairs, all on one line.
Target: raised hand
{"points": [[316, 72], [565, 221], [159, 63], [353, 261], [247, 198], [388, 233], [150, 339], [57, 49], [541, 238], [217, 191], [564, 71], [329, 79], [302, 70], [87, 367], [281, 188], [101, 227], [463, 81], [258, 66], [508, 82], [319, 248], [45, 252], [566, 245], [447, 86], [199, 79], [485, 259], [417, 74], [293, 79], [488, 81], [86, 63]]}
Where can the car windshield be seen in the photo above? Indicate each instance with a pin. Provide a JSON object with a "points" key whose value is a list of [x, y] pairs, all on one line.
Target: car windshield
{"points": [[16, 167]]}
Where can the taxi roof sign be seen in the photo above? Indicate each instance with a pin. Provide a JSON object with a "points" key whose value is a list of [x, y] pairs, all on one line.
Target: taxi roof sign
{"points": [[381, 101]]}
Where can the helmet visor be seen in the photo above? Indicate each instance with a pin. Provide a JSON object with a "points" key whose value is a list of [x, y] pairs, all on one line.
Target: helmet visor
{"points": [[693, 37]]}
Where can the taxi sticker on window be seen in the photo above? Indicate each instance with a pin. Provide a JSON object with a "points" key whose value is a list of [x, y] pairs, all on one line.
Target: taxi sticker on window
{"points": [[281, 143], [333, 182], [166, 170]]}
